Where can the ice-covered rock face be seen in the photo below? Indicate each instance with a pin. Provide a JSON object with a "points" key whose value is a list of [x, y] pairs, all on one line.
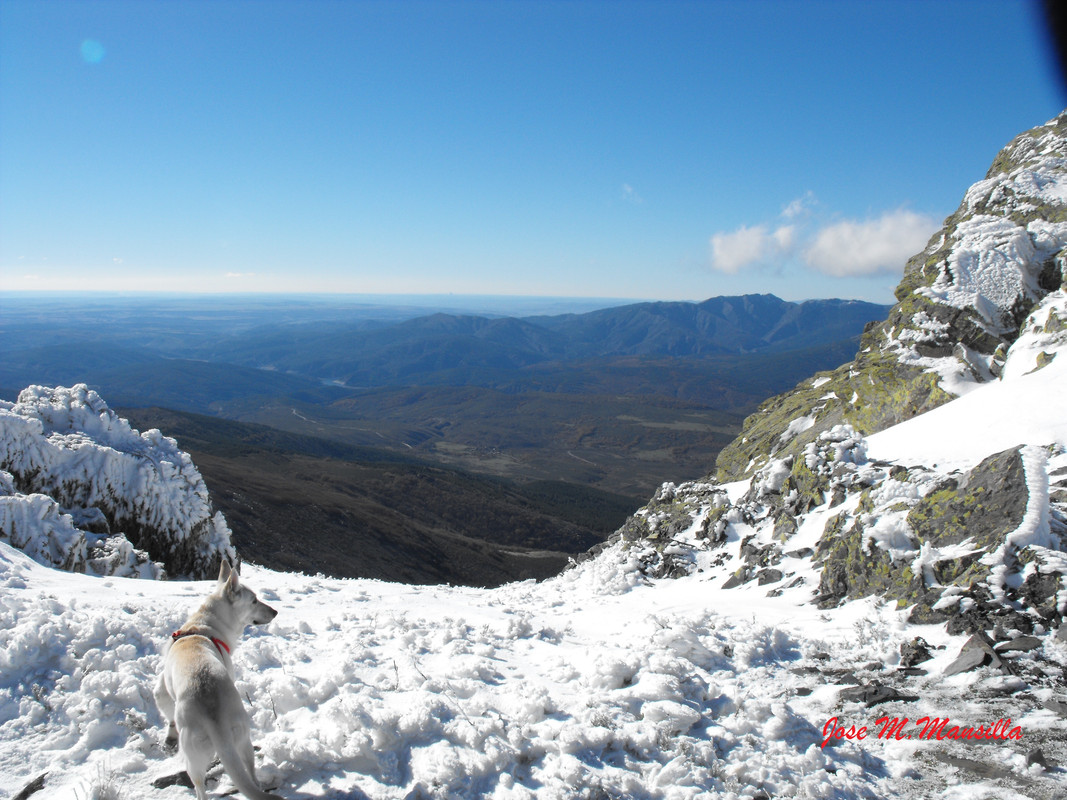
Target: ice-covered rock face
{"points": [[82, 490], [963, 299], [1000, 253]]}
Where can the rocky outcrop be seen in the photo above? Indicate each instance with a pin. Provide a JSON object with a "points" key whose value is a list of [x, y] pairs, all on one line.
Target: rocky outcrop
{"points": [[976, 545], [960, 306], [81, 490]]}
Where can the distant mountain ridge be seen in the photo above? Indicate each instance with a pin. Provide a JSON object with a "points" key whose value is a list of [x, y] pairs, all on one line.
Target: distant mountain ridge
{"points": [[742, 324], [426, 346]]}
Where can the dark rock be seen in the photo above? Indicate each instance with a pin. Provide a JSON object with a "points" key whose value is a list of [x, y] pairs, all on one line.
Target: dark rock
{"points": [[987, 504], [1035, 756], [765, 576], [912, 672], [176, 779], [875, 693], [1040, 591], [976, 652], [1055, 706], [843, 677], [1021, 644], [945, 572], [803, 552], [735, 580], [748, 550], [923, 612], [914, 652], [785, 525], [32, 787]]}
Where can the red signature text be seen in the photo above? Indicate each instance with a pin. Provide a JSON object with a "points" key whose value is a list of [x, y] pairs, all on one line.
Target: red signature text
{"points": [[923, 729]]}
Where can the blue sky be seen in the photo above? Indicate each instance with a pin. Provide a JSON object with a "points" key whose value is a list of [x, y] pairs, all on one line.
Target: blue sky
{"points": [[647, 150]]}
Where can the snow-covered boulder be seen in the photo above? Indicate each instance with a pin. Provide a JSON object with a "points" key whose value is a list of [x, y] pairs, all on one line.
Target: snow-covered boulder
{"points": [[81, 490]]}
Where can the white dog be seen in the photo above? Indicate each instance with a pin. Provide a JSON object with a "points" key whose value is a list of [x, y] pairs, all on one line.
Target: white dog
{"points": [[196, 691]]}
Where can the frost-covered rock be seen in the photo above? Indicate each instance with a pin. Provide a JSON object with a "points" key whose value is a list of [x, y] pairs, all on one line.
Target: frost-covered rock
{"points": [[82, 490]]}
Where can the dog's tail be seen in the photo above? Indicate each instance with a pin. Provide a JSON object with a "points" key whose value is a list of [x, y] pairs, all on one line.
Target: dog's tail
{"points": [[239, 770]]}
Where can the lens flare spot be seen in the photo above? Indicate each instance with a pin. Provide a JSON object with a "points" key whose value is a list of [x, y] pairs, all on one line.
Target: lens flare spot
{"points": [[92, 51]]}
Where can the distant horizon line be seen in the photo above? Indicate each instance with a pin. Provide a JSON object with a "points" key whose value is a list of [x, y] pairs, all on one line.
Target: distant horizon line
{"points": [[170, 293]]}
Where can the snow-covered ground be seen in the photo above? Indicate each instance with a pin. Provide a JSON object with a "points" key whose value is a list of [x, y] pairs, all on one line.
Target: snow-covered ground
{"points": [[594, 684], [598, 683]]}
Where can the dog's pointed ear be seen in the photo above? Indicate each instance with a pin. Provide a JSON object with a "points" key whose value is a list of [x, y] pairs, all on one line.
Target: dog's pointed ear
{"points": [[225, 572], [232, 583]]}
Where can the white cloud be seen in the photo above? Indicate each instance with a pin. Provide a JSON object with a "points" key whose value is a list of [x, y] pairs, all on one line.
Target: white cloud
{"points": [[799, 206], [846, 248], [745, 247], [881, 245], [240, 274], [730, 252], [630, 194], [785, 238]]}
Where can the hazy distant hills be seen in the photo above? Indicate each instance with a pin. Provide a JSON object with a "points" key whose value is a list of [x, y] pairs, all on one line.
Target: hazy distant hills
{"points": [[619, 398], [460, 349]]}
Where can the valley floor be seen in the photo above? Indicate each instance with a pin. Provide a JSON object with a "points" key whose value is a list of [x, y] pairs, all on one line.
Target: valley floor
{"points": [[597, 683]]}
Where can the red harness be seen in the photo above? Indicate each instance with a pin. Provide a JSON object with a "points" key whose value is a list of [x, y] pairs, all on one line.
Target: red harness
{"points": [[219, 644]]}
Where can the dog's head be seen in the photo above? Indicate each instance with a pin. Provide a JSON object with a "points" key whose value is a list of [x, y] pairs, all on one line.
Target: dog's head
{"points": [[248, 608]]}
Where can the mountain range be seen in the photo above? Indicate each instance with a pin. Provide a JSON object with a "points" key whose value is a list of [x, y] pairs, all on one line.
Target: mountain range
{"points": [[450, 349]]}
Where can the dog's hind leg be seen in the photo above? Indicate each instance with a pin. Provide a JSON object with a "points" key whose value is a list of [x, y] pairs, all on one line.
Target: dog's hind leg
{"points": [[248, 754], [197, 751], [165, 703]]}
